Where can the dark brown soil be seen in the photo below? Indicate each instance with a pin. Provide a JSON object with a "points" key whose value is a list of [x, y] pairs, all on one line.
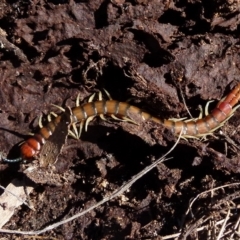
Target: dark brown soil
{"points": [[156, 54]]}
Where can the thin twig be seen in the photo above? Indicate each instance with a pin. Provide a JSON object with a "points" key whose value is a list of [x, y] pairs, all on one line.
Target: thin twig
{"points": [[115, 194], [210, 190], [223, 226], [4, 43], [235, 227], [17, 197]]}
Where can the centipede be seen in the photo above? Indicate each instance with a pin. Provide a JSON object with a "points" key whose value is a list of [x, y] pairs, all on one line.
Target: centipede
{"points": [[83, 114]]}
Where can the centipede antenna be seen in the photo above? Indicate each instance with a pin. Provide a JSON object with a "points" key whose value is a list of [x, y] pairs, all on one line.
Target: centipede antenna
{"points": [[59, 107], [88, 121], [91, 98], [40, 121], [12, 160], [78, 100], [107, 93]]}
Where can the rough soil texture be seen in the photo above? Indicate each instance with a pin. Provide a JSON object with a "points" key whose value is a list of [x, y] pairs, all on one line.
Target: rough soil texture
{"points": [[156, 54]]}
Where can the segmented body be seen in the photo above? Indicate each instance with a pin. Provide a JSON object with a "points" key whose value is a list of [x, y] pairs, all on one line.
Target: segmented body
{"points": [[199, 127], [32, 146], [122, 110]]}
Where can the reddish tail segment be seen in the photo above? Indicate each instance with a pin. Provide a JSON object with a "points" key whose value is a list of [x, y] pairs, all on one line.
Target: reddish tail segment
{"points": [[191, 128]]}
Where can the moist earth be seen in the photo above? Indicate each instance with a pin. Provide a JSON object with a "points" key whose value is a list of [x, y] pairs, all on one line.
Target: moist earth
{"points": [[166, 57]]}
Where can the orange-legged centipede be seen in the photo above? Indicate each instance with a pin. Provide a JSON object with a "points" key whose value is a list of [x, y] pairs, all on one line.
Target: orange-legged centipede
{"points": [[86, 112]]}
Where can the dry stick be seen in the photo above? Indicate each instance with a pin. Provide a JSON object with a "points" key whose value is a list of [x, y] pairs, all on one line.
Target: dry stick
{"points": [[13, 196], [17, 197], [235, 228], [212, 229], [220, 234], [171, 236], [184, 102], [4, 43], [202, 193], [193, 227], [210, 190], [115, 194]]}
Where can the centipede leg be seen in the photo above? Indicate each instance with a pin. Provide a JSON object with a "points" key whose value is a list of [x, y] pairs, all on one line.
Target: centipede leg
{"points": [[91, 98], [116, 118], [59, 107], [75, 130], [76, 134], [40, 121], [80, 128], [235, 108], [49, 116], [72, 134], [206, 112], [201, 112], [88, 121], [108, 94], [179, 119], [78, 100], [100, 98], [126, 119], [102, 117], [53, 113]]}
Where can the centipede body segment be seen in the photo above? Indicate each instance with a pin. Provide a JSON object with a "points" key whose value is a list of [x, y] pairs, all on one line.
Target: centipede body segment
{"points": [[83, 114]]}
